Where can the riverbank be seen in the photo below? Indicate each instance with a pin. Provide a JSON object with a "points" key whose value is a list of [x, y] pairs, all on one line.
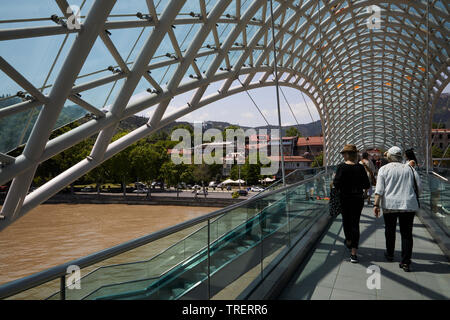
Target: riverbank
{"points": [[185, 199]]}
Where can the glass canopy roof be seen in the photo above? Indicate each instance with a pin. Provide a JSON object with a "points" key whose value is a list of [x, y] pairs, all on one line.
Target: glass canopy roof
{"points": [[374, 69]]}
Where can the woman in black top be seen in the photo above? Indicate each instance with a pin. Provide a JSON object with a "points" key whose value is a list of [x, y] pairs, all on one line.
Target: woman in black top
{"points": [[351, 180]]}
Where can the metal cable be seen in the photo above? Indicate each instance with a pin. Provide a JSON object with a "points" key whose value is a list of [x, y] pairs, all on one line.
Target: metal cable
{"points": [[289, 106], [254, 103], [126, 61]]}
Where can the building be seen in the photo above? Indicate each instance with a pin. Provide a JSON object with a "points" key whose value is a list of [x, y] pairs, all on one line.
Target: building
{"points": [[309, 147], [299, 152], [440, 138], [288, 144], [292, 163]]}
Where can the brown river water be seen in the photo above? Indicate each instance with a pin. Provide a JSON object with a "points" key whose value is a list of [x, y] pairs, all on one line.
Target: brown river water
{"points": [[54, 234]]}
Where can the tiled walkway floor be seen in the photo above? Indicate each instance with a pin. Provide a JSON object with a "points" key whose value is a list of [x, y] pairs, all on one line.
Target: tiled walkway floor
{"points": [[328, 274]]}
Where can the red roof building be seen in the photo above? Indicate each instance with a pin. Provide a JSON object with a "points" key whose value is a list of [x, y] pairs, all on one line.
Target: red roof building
{"points": [[309, 146]]}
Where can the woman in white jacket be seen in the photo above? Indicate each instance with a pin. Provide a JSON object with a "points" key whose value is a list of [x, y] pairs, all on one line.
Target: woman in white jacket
{"points": [[397, 191]]}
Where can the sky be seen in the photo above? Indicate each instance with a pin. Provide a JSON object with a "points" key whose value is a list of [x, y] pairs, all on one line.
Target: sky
{"points": [[239, 109], [34, 57]]}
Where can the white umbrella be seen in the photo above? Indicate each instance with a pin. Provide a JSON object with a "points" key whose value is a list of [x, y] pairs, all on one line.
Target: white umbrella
{"points": [[268, 179], [228, 181]]}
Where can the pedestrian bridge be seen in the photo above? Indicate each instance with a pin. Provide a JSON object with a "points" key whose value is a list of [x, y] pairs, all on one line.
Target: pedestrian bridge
{"points": [[281, 243], [373, 69]]}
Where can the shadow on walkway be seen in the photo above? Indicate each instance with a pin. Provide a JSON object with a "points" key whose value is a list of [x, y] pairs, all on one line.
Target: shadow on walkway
{"points": [[327, 273]]}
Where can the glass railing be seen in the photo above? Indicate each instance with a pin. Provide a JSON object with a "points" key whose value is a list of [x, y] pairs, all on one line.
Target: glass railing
{"points": [[272, 223], [208, 257], [444, 172], [435, 198], [294, 177]]}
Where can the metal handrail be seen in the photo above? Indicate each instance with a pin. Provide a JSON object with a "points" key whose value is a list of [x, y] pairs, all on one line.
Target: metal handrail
{"points": [[16, 286], [439, 176], [291, 173]]}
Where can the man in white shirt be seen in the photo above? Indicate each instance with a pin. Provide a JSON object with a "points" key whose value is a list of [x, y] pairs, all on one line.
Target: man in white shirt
{"points": [[397, 191]]}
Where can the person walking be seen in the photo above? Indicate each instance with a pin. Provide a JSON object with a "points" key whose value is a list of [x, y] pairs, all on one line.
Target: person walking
{"points": [[397, 192], [411, 158], [351, 180], [370, 170], [383, 160]]}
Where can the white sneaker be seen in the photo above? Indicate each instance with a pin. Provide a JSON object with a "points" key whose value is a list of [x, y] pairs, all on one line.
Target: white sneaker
{"points": [[439, 215]]}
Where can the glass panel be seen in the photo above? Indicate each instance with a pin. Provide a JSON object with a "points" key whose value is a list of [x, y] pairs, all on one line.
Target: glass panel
{"points": [[40, 292], [143, 270], [236, 258], [274, 230], [435, 199]]}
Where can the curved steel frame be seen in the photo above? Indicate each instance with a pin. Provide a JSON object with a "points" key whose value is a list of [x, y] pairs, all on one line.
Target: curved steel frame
{"points": [[373, 88]]}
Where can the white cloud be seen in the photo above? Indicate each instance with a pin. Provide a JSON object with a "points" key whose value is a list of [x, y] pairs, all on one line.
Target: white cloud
{"points": [[248, 115]]}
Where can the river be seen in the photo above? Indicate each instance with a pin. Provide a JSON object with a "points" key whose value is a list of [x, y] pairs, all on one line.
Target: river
{"points": [[54, 234]]}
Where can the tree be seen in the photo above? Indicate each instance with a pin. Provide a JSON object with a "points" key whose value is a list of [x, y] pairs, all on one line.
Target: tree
{"points": [[436, 152], [171, 173], [251, 173], [232, 127], [98, 175], [202, 173], [62, 161], [234, 172], [318, 161], [160, 135], [145, 162], [293, 132], [446, 163], [187, 175], [119, 167], [183, 126], [438, 126]]}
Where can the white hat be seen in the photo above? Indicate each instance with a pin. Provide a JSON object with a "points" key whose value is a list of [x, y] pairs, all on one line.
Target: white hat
{"points": [[395, 151]]}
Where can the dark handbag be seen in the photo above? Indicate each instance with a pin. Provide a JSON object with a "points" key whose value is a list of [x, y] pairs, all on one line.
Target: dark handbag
{"points": [[416, 189], [373, 180], [335, 202]]}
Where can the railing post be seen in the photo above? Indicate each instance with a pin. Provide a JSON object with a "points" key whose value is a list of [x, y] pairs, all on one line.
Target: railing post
{"points": [[209, 260], [288, 218], [262, 242], [62, 287]]}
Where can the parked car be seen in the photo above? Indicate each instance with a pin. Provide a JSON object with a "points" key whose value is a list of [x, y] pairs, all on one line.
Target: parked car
{"points": [[229, 188], [256, 189], [144, 190], [140, 185], [157, 184], [180, 186], [213, 184], [201, 192], [88, 189], [242, 192]]}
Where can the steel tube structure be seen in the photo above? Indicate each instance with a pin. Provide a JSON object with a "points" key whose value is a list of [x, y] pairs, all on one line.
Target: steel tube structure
{"points": [[374, 87]]}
